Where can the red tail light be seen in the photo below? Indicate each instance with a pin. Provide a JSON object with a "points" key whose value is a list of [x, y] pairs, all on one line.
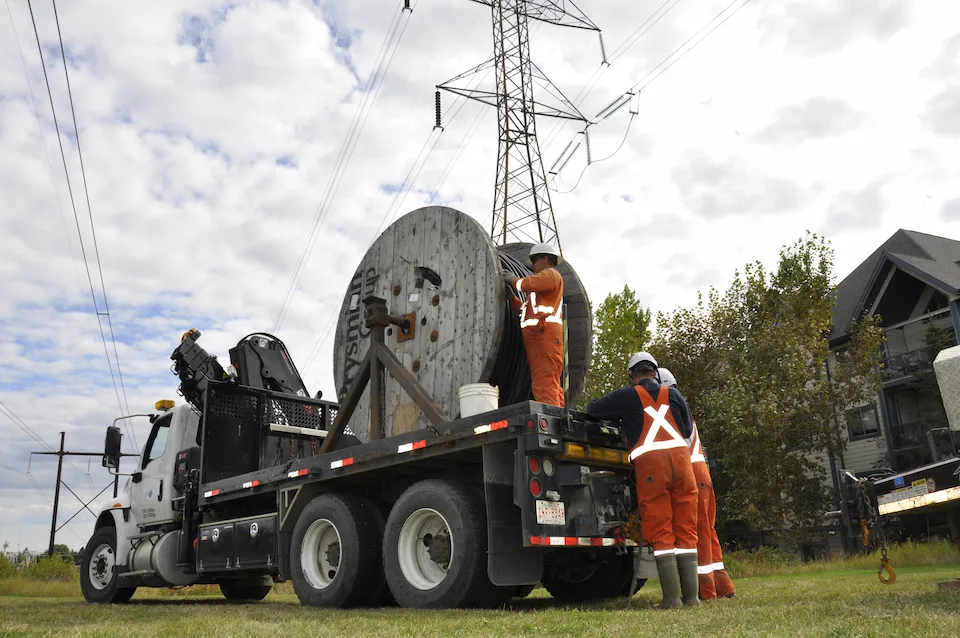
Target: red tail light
{"points": [[534, 465], [535, 488], [543, 424], [531, 424]]}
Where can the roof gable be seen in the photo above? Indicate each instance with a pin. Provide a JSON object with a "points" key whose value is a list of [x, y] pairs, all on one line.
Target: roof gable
{"points": [[931, 259]]}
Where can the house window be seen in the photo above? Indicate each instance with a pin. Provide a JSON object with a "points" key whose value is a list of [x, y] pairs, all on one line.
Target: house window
{"points": [[862, 422]]}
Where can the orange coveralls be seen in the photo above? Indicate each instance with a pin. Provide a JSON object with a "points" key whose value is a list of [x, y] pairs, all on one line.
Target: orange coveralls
{"points": [[666, 487], [541, 323], [714, 580]]}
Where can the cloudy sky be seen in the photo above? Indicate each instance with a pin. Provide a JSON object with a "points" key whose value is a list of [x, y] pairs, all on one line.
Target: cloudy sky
{"points": [[210, 132]]}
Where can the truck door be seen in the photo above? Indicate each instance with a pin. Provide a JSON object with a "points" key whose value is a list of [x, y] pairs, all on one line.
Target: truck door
{"points": [[151, 500]]}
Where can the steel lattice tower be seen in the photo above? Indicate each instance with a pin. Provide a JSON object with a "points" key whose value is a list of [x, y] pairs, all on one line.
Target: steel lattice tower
{"points": [[522, 210]]}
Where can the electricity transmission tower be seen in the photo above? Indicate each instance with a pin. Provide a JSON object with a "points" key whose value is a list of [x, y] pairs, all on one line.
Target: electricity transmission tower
{"points": [[522, 210]]}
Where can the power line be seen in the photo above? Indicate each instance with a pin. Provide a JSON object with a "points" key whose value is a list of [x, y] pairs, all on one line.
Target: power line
{"points": [[93, 228], [657, 71], [7, 412], [381, 66], [458, 103], [639, 86], [73, 205], [20, 423], [46, 149], [631, 40]]}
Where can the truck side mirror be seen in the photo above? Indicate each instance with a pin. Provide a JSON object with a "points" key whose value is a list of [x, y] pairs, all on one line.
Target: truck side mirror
{"points": [[111, 448]]}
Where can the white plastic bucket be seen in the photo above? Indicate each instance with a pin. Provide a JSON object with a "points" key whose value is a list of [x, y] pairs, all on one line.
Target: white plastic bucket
{"points": [[477, 398]]}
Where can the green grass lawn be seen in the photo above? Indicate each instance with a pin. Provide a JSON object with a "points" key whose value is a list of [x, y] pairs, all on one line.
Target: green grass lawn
{"points": [[826, 603]]}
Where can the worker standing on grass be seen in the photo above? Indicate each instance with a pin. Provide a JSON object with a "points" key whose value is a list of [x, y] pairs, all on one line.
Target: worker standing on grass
{"points": [[714, 580], [657, 421], [541, 322]]}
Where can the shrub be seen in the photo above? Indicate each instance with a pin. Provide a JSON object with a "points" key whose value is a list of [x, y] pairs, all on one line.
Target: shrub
{"points": [[51, 568]]}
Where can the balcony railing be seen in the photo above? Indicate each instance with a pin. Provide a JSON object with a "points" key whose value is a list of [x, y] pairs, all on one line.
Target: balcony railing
{"points": [[906, 365]]}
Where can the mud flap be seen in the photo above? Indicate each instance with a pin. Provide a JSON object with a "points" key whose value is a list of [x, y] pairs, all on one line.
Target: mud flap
{"points": [[508, 561]]}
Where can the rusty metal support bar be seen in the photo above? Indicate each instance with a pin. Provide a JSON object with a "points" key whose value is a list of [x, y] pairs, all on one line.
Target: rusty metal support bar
{"points": [[407, 381], [350, 402], [380, 358]]}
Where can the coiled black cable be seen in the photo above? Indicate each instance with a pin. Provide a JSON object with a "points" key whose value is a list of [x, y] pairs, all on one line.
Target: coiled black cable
{"points": [[511, 371]]}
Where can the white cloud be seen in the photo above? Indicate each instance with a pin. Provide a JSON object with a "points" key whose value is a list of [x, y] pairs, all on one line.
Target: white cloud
{"points": [[210, 130]]}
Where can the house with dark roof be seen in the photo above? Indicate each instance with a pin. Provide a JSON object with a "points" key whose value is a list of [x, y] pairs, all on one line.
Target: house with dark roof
{"points": [[912, 281]]}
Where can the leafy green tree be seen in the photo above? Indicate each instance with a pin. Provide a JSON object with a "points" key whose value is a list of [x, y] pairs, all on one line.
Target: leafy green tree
{"points": [[622, 326], [752, 363]]}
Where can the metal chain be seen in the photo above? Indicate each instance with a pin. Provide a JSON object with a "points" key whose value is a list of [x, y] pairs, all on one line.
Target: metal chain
{"points": [[870, 519]]}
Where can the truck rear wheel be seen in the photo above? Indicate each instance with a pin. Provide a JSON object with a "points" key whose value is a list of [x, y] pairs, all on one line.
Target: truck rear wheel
{"points": [[435, 548], [244, 591], [98, 577], [582, 580], [335, 553]]}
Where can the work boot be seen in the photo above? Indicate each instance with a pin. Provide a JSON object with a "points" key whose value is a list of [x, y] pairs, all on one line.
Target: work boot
{"points": [[669, 581], [689, 579]]}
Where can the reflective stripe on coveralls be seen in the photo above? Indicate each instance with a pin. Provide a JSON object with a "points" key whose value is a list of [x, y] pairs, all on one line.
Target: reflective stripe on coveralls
{"points": [[666, 486]]}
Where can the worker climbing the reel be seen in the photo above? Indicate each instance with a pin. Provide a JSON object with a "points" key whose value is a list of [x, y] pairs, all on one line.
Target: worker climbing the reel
{"points": [[541, 322], [714, 580], [656, 420]]}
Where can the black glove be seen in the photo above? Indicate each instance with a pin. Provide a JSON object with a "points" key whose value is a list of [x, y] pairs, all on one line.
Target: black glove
{"points": [[508, 279]]}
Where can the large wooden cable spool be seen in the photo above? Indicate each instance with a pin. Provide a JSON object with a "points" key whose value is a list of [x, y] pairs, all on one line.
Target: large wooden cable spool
{"points": [[440, 269]]}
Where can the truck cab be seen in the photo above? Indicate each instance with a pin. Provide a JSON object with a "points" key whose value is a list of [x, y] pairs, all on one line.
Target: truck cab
{"points": [[154, 490]]}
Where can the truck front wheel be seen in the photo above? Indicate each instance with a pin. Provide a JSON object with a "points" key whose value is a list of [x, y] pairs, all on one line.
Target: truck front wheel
{"points": [[98, 576], [335, 553]]}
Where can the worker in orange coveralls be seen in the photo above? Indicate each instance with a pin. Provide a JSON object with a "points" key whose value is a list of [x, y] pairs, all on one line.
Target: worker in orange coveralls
{"points": [[656, 421], [541, 322], [714, 580]]}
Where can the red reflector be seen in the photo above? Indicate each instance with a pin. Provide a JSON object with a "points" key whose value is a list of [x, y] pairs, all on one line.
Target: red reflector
{"points": [[534, 540], [531, 424], [596, 542], [534, 465], [535, 488], [543, 424], [571, 540], [499, 425], [256, 483], [419, 445]]}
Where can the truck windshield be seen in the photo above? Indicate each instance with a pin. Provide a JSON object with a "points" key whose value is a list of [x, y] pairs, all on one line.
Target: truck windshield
{"points": [[157, 442]]}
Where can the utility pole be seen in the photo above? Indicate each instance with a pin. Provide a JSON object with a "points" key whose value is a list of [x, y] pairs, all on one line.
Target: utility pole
{"points": [[56, 493], [522, 209]]}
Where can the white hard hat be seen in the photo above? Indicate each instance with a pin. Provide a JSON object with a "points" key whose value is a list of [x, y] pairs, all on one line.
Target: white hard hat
{"points": [[667, 378], [641, 357], [544, 249]]}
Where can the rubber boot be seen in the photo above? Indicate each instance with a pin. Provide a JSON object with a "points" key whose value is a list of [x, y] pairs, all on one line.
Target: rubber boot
{"points": [[669, 581], [689, 579]]}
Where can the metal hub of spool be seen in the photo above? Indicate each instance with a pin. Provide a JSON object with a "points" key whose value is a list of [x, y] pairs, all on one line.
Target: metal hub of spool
{"points": [[439, 268]]}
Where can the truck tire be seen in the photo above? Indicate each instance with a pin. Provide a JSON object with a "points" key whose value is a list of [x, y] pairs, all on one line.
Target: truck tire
{"points": [[244, 591], [98, 578], [335, 553], [583, 582], [435, 548]]}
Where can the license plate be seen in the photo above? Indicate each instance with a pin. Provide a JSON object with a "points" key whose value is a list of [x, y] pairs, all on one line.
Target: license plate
{"points": [[550, 513]]}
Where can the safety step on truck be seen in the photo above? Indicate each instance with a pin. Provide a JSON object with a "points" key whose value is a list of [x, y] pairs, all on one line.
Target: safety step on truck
{"points": [[251, 481]]}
